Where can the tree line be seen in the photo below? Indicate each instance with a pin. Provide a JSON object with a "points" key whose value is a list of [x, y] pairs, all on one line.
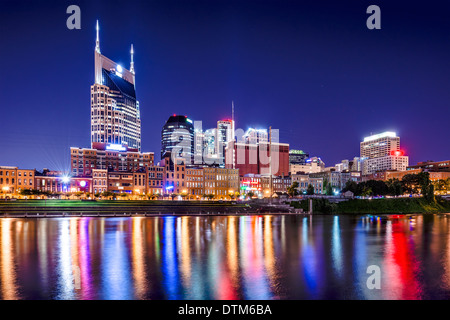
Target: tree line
{"points": [[410, 184]]}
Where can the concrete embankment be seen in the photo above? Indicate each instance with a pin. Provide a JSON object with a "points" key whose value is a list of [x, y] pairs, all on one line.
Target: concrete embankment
{"points": [[143, 209]]}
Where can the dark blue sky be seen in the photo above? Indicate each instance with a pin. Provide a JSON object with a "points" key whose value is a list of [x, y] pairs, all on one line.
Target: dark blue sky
{"points": [[312, 70]]}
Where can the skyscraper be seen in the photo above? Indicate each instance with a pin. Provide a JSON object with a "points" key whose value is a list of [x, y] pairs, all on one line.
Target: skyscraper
{"points": [[379, 145], [115, 115], [382, 152], [225, 134], [177, 137], [255, 136]]}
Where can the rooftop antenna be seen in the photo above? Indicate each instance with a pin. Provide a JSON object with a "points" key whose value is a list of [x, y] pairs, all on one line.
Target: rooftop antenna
{"points": [[132, 62], [232, 111], [97, 42]]}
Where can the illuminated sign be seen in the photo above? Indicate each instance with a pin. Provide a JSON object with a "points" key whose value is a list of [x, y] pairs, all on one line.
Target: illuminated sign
{"points": [[116, 147], [189, 120]]}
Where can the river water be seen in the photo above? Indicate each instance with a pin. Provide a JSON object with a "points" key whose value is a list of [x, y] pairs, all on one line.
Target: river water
{"points": [[226, 257]]}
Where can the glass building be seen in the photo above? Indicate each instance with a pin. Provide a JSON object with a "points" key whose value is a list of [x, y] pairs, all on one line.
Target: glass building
{"points": [[115, 114], [177, 137]]}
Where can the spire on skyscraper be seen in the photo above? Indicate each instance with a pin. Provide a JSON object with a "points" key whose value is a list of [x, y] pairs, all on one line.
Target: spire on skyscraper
{"points": [[97, 42], [132, 62]]}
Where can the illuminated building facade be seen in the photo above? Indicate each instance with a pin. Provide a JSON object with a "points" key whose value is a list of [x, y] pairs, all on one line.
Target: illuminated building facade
{"points": [[51, 181], [432, 166], [379, 145], [255, 136], [115, 114], [220, 181], [225, 134], [195, 182], [304, 180], [255, 158], [396, 161], [107, 156], [13, 179], [177, 137], [382, 152], [297, 157]]}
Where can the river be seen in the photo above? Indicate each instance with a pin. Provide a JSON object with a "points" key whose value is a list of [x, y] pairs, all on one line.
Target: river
{"points": [[225, 257]]}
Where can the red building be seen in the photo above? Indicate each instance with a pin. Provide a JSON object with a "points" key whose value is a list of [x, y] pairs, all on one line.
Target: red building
{"points": [[255, 158]]}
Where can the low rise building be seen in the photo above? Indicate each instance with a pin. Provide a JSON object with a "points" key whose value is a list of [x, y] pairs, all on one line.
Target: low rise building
{"points": [[13, 179], [304, 180]]}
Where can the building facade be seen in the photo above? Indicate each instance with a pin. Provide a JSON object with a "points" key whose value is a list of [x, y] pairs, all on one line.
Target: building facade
{"points": [[379, 145], [261, 158], [391, 162], [304, 180], [107, 157], [13, 179], [115, 114], [177, 137]]}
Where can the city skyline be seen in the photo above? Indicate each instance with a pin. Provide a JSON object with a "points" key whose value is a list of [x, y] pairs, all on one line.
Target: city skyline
{"points": [[32, 140]]}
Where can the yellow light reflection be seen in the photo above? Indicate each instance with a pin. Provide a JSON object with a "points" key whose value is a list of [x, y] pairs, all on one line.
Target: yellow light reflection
{"points": [[8, 270]]}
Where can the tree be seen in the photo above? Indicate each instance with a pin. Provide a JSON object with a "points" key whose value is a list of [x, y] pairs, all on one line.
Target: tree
{"points": [[352, 186], [410, 183], [310, 189], [292, 190], [394, 187], [367, 191], [426, 187], [329, 190]]}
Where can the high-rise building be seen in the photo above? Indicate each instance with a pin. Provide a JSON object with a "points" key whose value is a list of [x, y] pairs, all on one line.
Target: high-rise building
{"points": [[177, 137], [382, 152], [225, 134], [297, 157], [115, 114], [255, 136], [379, 145]]}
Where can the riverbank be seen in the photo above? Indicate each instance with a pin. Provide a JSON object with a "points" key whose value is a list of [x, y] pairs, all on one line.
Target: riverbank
{"points": [[376, 206], [35, 208]]}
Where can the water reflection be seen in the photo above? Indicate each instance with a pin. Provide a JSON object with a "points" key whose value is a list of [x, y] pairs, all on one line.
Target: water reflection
{"points": [[225, 257]]}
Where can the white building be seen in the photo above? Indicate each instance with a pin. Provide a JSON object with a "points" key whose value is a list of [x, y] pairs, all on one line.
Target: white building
{"points": [[391, 162], [382, 152], [313, 165], [256, 136], [379, 145]]}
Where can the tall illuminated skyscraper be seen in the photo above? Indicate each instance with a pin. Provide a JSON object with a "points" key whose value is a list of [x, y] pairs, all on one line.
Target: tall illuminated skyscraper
{"points": [[115, 115], [225, 134]]}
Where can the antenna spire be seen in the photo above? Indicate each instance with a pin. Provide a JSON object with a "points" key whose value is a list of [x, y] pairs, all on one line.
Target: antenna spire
{"points": [[132, 62], [97, 42], [232, 111]]}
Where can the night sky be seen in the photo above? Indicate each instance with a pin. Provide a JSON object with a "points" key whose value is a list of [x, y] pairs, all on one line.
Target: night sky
{"points": [[312, 70]]}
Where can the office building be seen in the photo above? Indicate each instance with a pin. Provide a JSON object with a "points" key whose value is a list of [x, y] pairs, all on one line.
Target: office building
{"points": [[382, 152], [115, 114], [379, 145], [224, 134], [432, 166], [177, 137], [107, 156], [297, 157], [257, 159], [395, 161], [311, 165]]}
